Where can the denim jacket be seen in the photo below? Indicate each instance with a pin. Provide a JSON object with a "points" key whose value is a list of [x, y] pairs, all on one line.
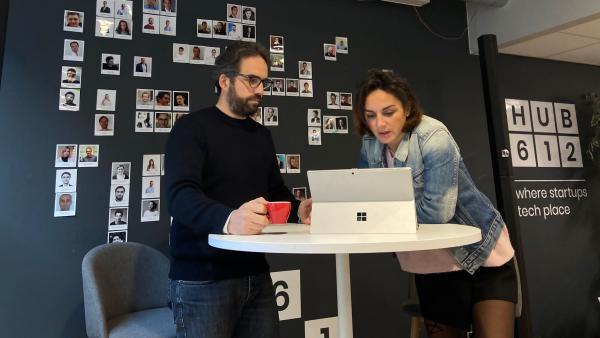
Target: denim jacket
{"points": [[444, 190]]}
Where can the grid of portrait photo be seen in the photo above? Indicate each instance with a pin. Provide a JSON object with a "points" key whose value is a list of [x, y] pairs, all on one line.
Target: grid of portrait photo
{"points": [[118, 212], [159, 109], [195, 54], [151, 172], [331, 50], [160, 17], [114, 19], [239, 24]]}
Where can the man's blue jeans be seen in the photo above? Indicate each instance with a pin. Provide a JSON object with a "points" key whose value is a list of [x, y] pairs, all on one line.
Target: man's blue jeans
{"points": [[232, 308]]}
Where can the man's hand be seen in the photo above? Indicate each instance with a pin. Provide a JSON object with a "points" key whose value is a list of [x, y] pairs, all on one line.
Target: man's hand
{"points": [[249, 219], [304, 211]]}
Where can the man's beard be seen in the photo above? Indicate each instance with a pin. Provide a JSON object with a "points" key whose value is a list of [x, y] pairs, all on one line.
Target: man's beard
{"points": [[241, 106]]}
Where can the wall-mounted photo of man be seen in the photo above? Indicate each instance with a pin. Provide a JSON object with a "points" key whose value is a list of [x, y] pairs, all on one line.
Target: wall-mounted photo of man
{"points": [[162, 122], [88, 155], [305, 69], [65, 204], [291, 87], [313, 117], [68, 99], [144, 98], [219, 29], [168, 25], [150, 23], [70, 77], [341, 44], [73, 21], [278, 88], [120, 172], [168, 7], [276, 44], [306, 88], [73, 50], [197, 55], [181, 53], [346, 101], [277, 62], [234, 13], [341, 124], [110, 64], [117, 218], [211, 54], [66, 180], [104, 125], [119, 195], [181, 100], [333, 100], [249, 33], [116, 237], [329, 52], [234, 31], [151, 6], [151, 186], [124, 9], [142, 66], [66, 155], [163, 99], [105, 8], [271, 117], [204, 28], [106, 99], [299, 193], [293, 163], [150, 210]]}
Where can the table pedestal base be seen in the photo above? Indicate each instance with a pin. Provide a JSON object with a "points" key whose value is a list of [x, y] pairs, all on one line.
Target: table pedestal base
{"points": [[344, 297]]}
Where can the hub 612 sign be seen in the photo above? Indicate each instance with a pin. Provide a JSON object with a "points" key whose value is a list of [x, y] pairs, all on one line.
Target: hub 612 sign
{"points": [[543, 134]]}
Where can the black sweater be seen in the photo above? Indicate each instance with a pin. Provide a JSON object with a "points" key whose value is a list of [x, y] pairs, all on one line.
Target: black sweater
{"points": [[213, 165]]}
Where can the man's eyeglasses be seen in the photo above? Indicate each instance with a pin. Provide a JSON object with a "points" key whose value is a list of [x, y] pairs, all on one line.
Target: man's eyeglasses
{"points": [[255, 81]]}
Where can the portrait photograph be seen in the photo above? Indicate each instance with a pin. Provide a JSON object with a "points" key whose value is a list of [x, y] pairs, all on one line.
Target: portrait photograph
{"points": [[204, 28], [104, 125], [106, 99], [267, 91], [281, 163], [162, 122], [293, 163], [162, 99], [142, 66], [313, 117], [271, 116], [329, 52], [249, 15], [70, 77], [277, 62], [144, 98], [150, 210], [117, 218], [69, 99], [346, 101], [291, 87], [328, 124], [168, 7], [314, 136], [144, 122], [120, 172], [181, 54], [333, 100], [234, 31], [73, 50], [66, 155], [276, 44], [278, 87], [151, 187], [341, 44], [211, 54], [119, 195], [150, 23], [219, 29], [110, 64], [257, 115], [306, 88], [181, 100], [305, 69], [151, 6], [73, 21], [116, 237], [66, 180], [64, 204], [105, 8], [249, 33], [299, 193], [123, 29], [341, 125], [197, 54], [177, 117], [234, 13], [151, 165], [168, 25], [89, 155], [104, 27], [124, 9]]}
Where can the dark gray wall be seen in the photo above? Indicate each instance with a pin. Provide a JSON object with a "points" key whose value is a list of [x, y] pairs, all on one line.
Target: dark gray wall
{"points": [[41, 255]]}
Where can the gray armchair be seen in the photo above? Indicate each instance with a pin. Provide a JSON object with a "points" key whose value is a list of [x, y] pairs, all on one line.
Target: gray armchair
{"points": [[125, 292]]}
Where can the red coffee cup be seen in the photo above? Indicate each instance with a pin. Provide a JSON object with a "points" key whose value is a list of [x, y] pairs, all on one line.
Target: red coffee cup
{"points": [[278, 212]]}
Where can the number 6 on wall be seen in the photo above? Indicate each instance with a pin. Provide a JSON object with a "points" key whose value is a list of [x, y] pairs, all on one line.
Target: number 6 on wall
{"points": [[287, 293]]}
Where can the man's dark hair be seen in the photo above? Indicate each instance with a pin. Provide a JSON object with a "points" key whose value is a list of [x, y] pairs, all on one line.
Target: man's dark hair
{"points": [[109, 58], [120, 187], [67, 93], [74, 42], [103, 118], [228, 63], [66, 172], [72, 70], [119, 211]]}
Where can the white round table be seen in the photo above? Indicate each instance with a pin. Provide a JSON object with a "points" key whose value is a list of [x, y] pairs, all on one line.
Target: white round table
{"points": [[296, 239]]}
